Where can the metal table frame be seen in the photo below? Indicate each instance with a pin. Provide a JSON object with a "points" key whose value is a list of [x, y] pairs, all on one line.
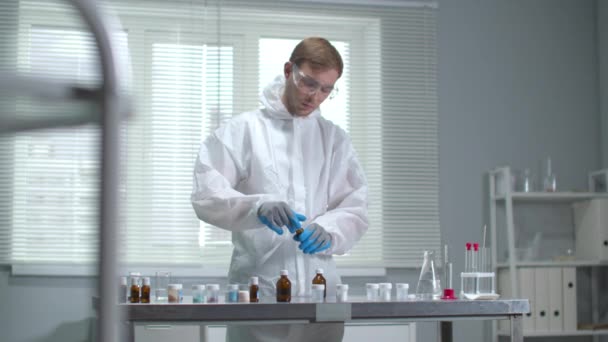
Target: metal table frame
{"points": [[304, 311]]}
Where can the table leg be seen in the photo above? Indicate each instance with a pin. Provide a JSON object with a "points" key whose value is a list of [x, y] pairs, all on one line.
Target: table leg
{"points": [[446, 331], [517, 328]]}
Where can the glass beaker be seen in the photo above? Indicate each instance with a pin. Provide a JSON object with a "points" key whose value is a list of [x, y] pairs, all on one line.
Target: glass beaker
{"points": [[162, 280], [428, 284]]}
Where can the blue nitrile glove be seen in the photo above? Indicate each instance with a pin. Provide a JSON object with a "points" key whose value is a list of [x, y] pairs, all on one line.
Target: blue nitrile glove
{"points": [[278, 214], [314, 239]]}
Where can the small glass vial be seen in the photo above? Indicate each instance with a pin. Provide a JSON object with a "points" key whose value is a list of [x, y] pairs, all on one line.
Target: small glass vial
{"points": [[402, 291], [385, 291], [134, 291], [284, 288], [145, 291], [174, 293], [198, 294], [318, 291], [254, 289], [319, 279], [341, 293], [243, 296], [122, 290], [372, 291], [232, 294], [213, 293]]}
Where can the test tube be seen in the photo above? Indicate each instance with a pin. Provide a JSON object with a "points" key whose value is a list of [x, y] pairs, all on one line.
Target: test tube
{"points": [[475, 258], [467, 257]]}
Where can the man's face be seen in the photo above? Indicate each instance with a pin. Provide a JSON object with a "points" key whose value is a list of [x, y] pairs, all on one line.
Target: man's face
{"points": [[305, 88]]}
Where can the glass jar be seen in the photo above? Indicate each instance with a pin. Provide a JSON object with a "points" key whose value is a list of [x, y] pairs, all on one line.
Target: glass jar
{"points": [[341, 293], [198, 294]]}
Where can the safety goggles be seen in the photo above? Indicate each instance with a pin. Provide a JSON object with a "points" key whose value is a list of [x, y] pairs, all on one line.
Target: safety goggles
{"points": [[310, 85]]}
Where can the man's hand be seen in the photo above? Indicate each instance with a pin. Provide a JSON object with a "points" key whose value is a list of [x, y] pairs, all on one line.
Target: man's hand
{"points": [[275, 215], [314, 239]]}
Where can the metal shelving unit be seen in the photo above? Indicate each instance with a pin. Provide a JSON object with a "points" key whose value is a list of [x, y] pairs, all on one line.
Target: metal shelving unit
{"points": [[502, 178], [105, 106]]}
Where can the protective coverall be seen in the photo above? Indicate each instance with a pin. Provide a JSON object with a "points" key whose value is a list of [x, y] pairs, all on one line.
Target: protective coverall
{"points": [[270, 155]]}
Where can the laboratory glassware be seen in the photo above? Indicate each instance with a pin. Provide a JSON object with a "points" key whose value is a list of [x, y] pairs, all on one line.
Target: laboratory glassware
{"points": [[284, 287], [550, 180], [372, 291], [429, 286], [254, 288], [145, 291], [341, 293], [402, 291], [384, 292], [198, 293], [162, 280]]}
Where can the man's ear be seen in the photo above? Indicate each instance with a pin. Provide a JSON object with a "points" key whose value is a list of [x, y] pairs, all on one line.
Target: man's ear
{"points": [[287, 69]]}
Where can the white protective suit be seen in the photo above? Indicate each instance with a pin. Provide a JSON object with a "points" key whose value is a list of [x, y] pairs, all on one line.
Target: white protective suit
{"points": [[270, 155]]}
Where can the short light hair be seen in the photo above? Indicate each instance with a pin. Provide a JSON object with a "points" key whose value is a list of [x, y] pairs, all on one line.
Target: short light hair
{"points": [[319, 53]]}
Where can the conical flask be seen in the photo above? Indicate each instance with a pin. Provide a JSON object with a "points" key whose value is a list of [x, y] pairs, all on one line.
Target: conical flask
{"points": [[428, 284]]}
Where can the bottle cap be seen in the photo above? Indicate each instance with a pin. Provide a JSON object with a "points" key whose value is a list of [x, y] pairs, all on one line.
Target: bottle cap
{"points": [[233, 287], [175, 286], [134, 281], [123, 280], [403, 285], [372, 286], [147, 281], [319, 270], [468, 244], [342, 286], [318, 287], [284, 272], [198, 287], [386, 286], [254, 280], [213, 287], [476, 246]]}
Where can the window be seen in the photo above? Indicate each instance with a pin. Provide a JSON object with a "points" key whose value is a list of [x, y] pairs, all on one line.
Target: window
{"points": [[195, 65]]}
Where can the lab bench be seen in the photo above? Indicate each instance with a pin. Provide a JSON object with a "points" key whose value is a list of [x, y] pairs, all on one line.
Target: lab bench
{"points": [[304, 311]]}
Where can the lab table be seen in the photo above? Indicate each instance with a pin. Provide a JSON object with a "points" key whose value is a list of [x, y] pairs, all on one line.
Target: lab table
{"points": [[303, 310]]}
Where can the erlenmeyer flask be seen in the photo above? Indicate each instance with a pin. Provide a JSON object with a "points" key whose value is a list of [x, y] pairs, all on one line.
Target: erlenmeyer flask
{"points": [[428, 284]]}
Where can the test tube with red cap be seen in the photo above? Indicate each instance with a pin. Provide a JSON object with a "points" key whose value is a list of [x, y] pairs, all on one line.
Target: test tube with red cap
{"points": [[467, 257], [475, 258]]}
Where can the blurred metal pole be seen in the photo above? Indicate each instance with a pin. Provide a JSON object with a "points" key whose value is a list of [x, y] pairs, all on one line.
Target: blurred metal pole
{"points": [[102, 27]]}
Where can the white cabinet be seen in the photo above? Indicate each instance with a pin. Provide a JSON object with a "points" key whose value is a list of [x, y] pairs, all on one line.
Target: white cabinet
{"points": [[550, 283]]}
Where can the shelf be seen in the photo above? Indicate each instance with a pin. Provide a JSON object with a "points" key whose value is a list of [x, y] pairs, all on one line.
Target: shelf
{"points": [[559, 333], [565, 263], [569, 196]]}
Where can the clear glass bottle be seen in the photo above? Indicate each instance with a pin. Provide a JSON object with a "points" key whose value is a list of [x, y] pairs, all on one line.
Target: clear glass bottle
{"points": [[284, 287], [145, 291], [122, 290], [319, 279], [254, 289]]}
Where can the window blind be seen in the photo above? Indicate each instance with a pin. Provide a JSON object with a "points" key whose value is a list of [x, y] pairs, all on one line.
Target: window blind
{"points": [[195, 65]]}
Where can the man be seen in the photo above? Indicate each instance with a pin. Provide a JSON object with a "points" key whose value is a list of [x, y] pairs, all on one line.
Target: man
{"points": [[285, 166]]}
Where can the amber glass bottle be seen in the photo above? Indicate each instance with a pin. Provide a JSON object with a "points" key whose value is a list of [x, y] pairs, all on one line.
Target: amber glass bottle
{"points": [[134, 290], [145, 291], [284, 288], [319, 279], [253, 290]]}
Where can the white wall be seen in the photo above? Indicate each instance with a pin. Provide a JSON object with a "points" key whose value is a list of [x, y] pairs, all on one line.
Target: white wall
{"points": [[602, 39], [517, 82]]}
